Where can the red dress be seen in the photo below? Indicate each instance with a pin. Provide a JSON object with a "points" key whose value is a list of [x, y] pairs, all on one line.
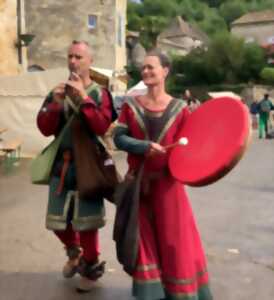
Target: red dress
{"points": [[171, 261]]}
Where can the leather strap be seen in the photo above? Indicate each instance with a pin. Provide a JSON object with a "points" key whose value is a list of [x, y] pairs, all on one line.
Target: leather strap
{"points": [[67, 158]]}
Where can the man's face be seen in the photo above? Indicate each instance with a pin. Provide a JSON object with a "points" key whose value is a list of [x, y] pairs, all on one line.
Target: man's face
{"points": [[79, 59]]}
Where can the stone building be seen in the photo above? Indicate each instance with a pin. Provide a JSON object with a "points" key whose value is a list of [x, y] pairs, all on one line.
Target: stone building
{"points": [[135, 51], [255, 27], [56, 23], [181, 37], [9, 64]]}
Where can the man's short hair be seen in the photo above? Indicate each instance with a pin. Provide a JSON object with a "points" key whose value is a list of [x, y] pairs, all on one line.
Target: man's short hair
{"points": [[76, 42], [82, 42]]}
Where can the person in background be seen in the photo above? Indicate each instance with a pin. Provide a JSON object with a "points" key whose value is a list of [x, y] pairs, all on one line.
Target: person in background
{"points": [[264, 108], [254, 114]]}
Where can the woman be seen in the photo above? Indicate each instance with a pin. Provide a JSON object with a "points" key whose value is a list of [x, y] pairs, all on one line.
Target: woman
{"points": [[170, 260]]}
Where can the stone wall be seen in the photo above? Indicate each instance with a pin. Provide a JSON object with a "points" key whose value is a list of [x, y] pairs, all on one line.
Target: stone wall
{"points": [[8, 36], [121, 57], [168, 49], [260, 32], [258, 91], [56, 23]]}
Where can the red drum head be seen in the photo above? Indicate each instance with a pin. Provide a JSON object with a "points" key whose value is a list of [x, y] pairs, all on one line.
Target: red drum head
{"points": [[218, 133]]}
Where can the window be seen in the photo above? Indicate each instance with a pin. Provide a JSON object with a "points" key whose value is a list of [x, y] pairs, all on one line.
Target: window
{"points": [[92, 21]]}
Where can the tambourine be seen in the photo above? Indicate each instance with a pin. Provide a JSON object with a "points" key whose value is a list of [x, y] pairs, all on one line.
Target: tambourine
{"points": [[217, 135]]}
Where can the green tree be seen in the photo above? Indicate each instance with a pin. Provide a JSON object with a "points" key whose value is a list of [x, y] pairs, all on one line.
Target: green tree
{"points": [[214, 3], [227, 60], [254, 62], [230, 60], [213, 23], [152, 26], [232, 10], [267, 75], [134, 75]]}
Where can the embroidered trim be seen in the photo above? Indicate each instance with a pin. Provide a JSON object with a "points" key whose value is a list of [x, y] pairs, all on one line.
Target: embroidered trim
{"points": [[147, 281], [144, 268], [118, 124], [189, 296], [139, 113], [185, 281], [174, 112]]}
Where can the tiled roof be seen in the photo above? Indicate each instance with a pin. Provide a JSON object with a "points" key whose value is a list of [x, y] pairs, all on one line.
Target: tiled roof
{"points": [[256, 17], [181, 28]]}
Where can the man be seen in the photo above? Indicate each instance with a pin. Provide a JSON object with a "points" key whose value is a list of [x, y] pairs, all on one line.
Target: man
{"points": [[76, 221], [264, 108]]}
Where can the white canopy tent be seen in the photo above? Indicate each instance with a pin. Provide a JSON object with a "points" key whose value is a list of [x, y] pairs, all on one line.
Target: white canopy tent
{"points": [[224, 94], [139, 89], [20, 100]]}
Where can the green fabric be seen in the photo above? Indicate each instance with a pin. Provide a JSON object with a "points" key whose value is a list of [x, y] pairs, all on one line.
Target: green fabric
{"points": [[87, 214], [148, 290], [41, 166], [83, 214], [94, 92], [124, 142], [265, 106], [263, 120], [155, 291], [203, 294]]}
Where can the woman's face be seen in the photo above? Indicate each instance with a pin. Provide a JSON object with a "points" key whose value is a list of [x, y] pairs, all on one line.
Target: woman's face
{"points": [[153, 73]]}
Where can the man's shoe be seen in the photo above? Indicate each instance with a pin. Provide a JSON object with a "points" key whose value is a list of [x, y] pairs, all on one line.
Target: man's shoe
{"points": [[85, 285], [71, 267], [93, 270]]}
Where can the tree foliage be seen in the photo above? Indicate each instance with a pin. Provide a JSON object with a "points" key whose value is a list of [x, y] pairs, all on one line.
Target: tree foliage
{"points": [[213, 16], [226, 60], [267, 75]]}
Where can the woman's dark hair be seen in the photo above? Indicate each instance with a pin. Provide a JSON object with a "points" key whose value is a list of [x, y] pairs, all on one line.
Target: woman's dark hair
{"points": [[164, 60]]}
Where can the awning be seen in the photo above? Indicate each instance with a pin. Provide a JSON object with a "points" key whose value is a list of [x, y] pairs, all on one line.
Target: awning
{"points": [[101, 76], [139, 89]]}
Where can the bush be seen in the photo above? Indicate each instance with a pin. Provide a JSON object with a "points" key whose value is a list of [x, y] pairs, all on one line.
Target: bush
{"points": [[267, 75]]}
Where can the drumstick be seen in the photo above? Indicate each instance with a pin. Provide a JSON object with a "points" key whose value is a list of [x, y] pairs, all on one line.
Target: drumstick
{"points": [[182, 141]]}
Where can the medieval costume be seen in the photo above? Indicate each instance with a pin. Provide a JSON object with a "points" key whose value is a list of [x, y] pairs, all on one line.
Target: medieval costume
{"points": [[170, 261], [75, 220]]}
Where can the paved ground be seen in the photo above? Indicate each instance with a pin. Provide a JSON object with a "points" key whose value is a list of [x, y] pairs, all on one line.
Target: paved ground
{"points": [[235, 217]]}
